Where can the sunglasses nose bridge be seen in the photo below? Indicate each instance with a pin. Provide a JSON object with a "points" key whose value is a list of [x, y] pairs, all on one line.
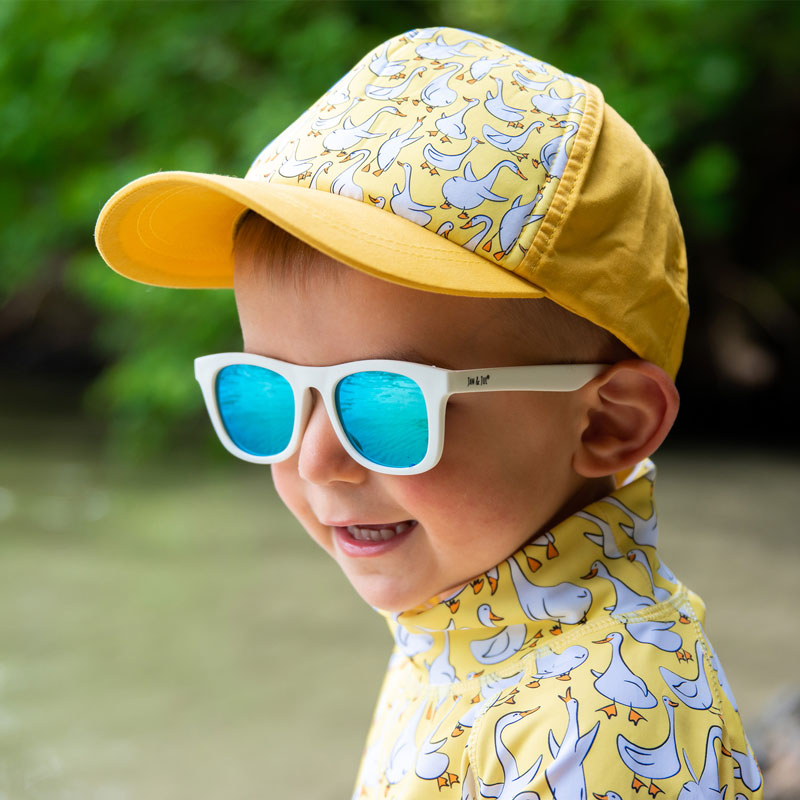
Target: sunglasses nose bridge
{"points": [[310, 395]]}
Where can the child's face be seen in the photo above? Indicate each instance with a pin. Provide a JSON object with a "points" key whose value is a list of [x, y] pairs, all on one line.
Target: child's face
{"points": [[506, 470]]}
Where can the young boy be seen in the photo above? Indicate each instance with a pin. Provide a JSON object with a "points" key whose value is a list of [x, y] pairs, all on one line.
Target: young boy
{"points": [[457, 237]]}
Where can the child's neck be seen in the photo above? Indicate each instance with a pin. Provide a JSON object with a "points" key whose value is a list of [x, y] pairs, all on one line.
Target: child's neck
{"points": [[591, 490]]}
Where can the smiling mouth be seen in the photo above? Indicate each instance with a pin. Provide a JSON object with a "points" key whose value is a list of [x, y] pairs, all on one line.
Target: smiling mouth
{"points": [[380, 533]]}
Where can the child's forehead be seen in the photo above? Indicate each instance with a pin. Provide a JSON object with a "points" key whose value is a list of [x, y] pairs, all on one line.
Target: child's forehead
{"points": [[329, 311]]}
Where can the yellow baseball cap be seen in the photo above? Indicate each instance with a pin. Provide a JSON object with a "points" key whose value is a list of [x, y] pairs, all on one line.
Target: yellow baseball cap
{"points": [[449, 162]]}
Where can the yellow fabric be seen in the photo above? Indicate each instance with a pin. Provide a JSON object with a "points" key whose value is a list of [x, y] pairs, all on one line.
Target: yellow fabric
{"points": [[449, 162], [578, 667]]}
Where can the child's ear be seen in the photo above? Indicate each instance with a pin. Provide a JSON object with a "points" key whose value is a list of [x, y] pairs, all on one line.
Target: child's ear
{"points": [[629, 412]]}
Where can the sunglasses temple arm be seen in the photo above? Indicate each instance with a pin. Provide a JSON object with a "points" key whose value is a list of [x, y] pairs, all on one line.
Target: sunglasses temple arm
{"points": [[544, 378]]}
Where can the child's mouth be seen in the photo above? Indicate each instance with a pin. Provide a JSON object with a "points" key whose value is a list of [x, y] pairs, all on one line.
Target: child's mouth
{"points": [[373, 539], [379, 533]]}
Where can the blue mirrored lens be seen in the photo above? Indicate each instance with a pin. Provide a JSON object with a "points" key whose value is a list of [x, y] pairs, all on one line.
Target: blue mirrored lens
{"points": [[384, 417], [257, 408]]}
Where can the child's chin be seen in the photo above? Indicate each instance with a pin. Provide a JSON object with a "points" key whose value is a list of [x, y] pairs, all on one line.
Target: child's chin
{"points": [[385, 595]]}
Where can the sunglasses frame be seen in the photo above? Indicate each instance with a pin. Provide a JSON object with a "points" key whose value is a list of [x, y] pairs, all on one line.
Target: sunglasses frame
{"points": [[436, 384]]}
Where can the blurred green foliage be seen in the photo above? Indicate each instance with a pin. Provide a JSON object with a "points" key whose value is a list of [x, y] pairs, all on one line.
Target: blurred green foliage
{"points": [[94, 94]]}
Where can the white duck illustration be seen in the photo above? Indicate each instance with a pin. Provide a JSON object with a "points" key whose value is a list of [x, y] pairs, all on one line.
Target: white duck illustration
{"points": [[558, 665], [657, 633], [497, 107], [404, 205], [482, 66], [470, 191], [431, 765], [326, 123], [666, 573], [404, 750], [382, 67], [693, 692], [411, 644], [439, 48], [514, 783], [390, 149], [605, 538], [340, 91], [554, 105], [293, 167], [452, 126], [375, 92], [511, 144], [421, 33], [640, 557], [440, 670], [564, 602], [621, 685], [351, 134], [486, 616], [564, 774], [706, 787], [445, 228], [627, 600], [553, 155], [504, 644], [526, 83], [746, 769], [536, 68], [437, 92], [643, 531], [344, 183], [478, 219], [371, 774], [434, 160], [511, 225], [321, 168], [653, 763]]}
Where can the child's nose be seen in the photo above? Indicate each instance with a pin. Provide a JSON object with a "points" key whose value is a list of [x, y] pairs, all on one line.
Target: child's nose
{"points": [[322, 459]]}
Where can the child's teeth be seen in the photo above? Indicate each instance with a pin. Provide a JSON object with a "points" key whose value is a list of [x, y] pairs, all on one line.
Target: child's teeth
{"points": [[377, 534]]}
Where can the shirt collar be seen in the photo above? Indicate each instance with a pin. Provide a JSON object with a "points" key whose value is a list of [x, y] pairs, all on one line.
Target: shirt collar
{"points": [[600, 560]]}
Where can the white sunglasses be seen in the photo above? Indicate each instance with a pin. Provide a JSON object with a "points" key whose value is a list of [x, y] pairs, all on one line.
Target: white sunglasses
{"points": [[388, 415]]}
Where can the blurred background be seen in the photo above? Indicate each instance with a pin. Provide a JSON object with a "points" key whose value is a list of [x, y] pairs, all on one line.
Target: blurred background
{"points": [[155, 609]]}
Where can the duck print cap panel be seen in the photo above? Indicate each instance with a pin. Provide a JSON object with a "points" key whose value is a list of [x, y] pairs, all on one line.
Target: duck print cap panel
{"points": [[455, 132], [449, 162]]}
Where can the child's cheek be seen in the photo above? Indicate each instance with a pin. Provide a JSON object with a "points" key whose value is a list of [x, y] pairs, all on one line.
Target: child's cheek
{"points": [[289, 488], [444, 492]]}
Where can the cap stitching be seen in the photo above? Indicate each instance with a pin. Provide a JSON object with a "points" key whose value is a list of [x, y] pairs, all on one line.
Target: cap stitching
{"points": [[561, 211]]}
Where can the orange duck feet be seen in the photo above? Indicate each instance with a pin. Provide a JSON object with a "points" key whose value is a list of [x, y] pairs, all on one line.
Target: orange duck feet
{"points": [[610, 710], [635, 717]]}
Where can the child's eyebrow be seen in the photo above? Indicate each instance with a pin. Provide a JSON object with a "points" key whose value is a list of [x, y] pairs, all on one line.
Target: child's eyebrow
{"points": [[412, 354]]}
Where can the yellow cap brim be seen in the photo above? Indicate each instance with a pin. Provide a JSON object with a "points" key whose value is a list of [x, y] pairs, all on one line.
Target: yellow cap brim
{"points": [[175, 229]]}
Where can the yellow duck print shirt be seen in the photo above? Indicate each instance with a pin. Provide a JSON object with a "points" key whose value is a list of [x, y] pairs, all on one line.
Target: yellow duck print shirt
{"points": [[578, 667]]}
